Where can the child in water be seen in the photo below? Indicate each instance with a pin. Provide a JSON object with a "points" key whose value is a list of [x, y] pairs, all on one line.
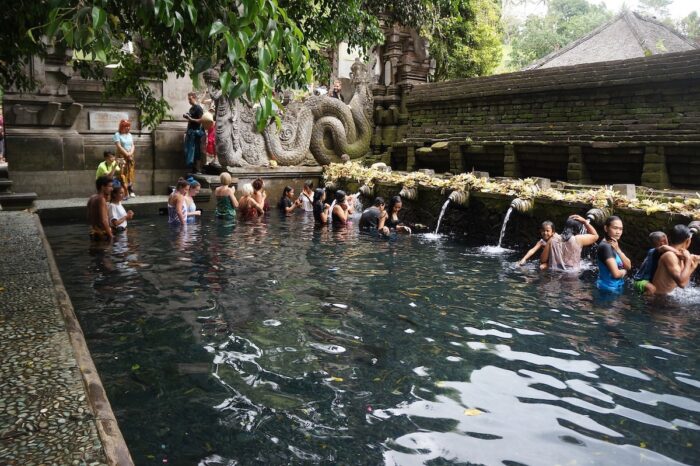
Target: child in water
{"points": [[643, 277], [546, 232]]}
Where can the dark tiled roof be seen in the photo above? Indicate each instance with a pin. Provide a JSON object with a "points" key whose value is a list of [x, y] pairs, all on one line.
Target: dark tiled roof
{"points": [[629, 35]]}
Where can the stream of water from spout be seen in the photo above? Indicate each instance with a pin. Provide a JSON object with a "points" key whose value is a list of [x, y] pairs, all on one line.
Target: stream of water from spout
{"points": [[357, 204], [330, 213], [442, 213], [503, 228]]}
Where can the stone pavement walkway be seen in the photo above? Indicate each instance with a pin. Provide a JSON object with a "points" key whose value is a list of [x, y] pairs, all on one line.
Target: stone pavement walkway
{"points": [[53, 409]]}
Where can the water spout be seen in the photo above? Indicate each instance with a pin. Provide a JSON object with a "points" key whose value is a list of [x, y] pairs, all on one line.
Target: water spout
{"points": [[598, 215], [460, 197], [523, 206], [503, 228], [366, 191], [409, 193], [442, 213], [694, 227]]}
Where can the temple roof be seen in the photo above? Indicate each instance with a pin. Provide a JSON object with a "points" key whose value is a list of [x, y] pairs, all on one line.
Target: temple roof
{"points": [[628, 35]]}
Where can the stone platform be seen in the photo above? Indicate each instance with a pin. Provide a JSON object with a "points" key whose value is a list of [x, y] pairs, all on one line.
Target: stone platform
{"points": [[53, 408], [76, 208]]}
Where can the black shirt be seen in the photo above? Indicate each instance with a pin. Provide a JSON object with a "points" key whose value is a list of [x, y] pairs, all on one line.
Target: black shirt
{"points": [[285, 203], [370, 219], [196, 112], [318, 210], [605, 251]]}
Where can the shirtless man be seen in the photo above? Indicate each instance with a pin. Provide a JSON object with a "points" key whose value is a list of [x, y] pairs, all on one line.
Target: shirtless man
{"points": [[673, 271], [98, 218]]}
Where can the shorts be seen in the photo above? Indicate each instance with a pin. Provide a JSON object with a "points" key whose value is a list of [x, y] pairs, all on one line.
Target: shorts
{"points": [[640, 285]]}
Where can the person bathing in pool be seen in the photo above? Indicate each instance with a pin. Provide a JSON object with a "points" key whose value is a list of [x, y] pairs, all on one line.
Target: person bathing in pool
{"points": [[373, 218], [643, 277], [546, 232], [673, 272]]}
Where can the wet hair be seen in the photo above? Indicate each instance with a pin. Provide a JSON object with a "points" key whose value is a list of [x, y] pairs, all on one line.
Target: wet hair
{"points": [[181, 183], [679, 233], [340, 196], [318, 194], [247, 189], [115, 193], [258, 184], [571, 228], [309, 184], [225, 179], [123, 124], [192, 94], [656, 236], [392, 202], [546, 224], [378, 201], [108, 153], [287, 190], [102, 181]]}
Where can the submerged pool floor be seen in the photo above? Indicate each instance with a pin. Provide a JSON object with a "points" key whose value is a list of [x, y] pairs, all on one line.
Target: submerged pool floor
{"points": [[279, 343]]}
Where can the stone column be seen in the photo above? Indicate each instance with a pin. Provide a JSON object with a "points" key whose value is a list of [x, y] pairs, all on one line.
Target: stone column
{"points": [[456, 162], [410, 158], [576, 171], [510, 161], [655, 173]]}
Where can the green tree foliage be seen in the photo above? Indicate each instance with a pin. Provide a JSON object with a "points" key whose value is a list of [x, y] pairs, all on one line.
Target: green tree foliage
{"points": [[655, 8], [253, 43], [465, 37], [257, 45], [565, 21], [690, 26], [326, 23]]}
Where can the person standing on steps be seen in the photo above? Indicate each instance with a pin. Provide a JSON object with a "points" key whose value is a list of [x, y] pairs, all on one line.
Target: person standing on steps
{"points": [[194, 134], [125, 151]]}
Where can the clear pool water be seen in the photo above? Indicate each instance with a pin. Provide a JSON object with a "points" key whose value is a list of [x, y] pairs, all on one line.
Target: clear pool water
{"points": [[278, 343]]}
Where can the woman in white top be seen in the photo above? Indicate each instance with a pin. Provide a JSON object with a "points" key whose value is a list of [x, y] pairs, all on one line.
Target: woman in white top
{"points": [[118, 216], [307, 196]]}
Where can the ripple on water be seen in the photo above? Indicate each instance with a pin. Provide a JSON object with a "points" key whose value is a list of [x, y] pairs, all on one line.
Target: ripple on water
{"points": [[317, 352]]}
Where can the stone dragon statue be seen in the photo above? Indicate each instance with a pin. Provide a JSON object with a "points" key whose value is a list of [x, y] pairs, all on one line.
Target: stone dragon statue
{"points": [[317, 130]]}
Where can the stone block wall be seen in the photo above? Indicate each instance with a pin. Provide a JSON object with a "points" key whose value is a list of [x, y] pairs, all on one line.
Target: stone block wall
{"points": [[633, 121], [55, 139]]}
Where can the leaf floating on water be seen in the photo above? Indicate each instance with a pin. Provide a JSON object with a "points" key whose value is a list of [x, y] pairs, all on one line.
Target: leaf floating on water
{"points": [[473, 412], [440, 383], [334, 379]]}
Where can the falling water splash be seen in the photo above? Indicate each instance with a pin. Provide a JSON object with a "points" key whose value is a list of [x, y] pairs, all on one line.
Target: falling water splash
{"points": [[442, 213], [330, 212], [503, 228], [357, 205]]}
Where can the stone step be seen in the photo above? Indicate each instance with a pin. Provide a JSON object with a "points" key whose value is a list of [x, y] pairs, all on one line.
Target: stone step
{"points": [[17, 201], [5, 185]]}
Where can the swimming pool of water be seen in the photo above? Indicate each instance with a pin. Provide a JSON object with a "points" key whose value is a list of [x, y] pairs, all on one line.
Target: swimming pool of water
{"points": [[278, 343]]}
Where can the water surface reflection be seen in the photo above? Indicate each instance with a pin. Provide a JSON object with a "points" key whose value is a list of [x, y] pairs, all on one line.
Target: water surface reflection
{"points": [[279, 343]]}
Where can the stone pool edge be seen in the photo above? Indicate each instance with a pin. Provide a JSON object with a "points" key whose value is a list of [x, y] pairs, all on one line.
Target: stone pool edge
{"points": [[113, 443]]}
